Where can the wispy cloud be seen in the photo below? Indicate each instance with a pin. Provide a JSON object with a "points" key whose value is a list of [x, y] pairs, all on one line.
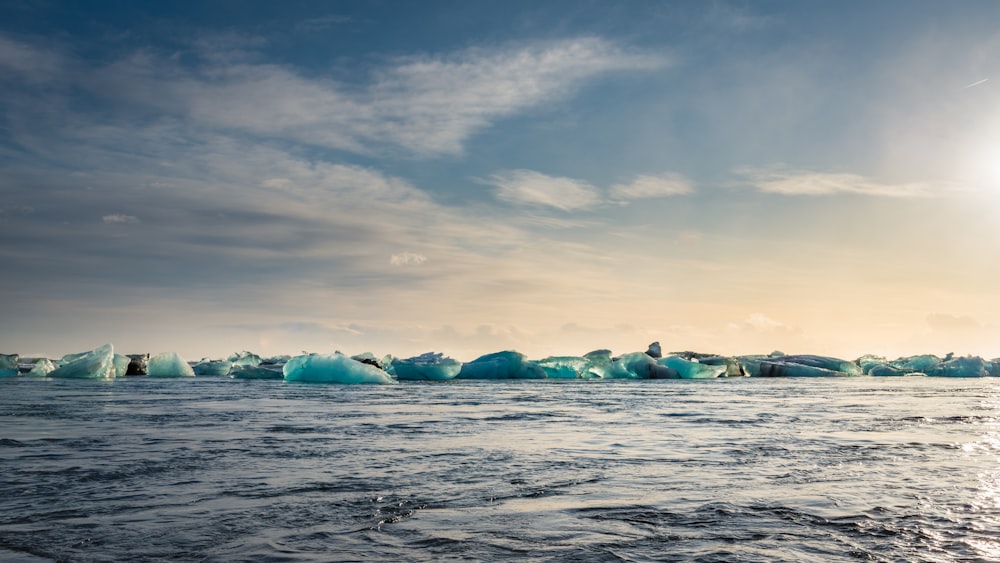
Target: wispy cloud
{"points": [[535, 188], [808, 183], [407, 259], [643, 187], [426, 105]]}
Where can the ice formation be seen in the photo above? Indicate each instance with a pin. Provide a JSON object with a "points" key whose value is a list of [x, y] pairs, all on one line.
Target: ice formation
{"points": [[245, 358], [566, 367], [42, 368], [687, 369], [501, 365], [8, 365], [213, 367], [262, 371], [168, 364], [96, 364], [121, 365], [332, 368], [427, 366]]}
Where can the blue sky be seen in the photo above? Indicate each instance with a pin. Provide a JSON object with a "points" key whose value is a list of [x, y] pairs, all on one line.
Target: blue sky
{"points": [[467, 177]]}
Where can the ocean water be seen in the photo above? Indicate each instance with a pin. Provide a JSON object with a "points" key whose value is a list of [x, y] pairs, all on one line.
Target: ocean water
{"points": [[215, 469]]}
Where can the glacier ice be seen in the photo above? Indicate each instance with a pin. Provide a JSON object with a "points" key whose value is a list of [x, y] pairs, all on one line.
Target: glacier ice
{"points": [[921, 363], [605, 367], [137, 364], [244, 358], [640, 365], [969, 366], [42, 368], [507, 364], [213, 367], [8, 365], [654, 350], [566, 367], [427, 366], [262, 371], [168, 364], [121, 365], [687, 369], [96, 364], [333, 368]]}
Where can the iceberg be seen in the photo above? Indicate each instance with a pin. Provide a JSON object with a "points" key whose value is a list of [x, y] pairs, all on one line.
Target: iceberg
{"points": [[640, 365], [332, 368], [262, 371], [885, 370], [566, 367], [922, 363], [121, 365], [213, 367], [427, 366], [654, 350], [602, 365], [245, 358], [778, 368], [8, 365], [501, 365], [969, 366], [96, 364], [137, 364], [168, 364], [42, 368], [732, 365], [844, 367], [687, 369]]}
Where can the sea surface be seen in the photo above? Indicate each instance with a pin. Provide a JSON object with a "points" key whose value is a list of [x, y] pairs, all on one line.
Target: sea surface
{"points": [[216, 469]]}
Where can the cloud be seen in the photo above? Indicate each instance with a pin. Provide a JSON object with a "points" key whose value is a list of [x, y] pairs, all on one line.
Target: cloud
{"points": [[795, 182], [664, 185], [427, 104], [119, 218], [535, 188], [407, 259]]}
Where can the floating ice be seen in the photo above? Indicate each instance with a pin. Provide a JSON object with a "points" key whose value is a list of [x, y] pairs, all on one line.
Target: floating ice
{"points": [[604, 366], [42, 368], [168, 364], [332, 368], [731, 365], [270, 371], [8, 365], [137, 364], [969, 366], [566, 367], [427, 366], [639, 365], [687, 369], [654, 350], [921, 363], [501, 365], [121, 365], [96, 364], [213, 367], [245, 358]]}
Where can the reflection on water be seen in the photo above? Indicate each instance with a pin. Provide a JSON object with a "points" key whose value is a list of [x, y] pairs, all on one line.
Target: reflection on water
{"points": [[759, 470]]}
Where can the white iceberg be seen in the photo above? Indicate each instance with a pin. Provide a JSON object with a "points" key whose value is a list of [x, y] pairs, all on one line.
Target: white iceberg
{"points": [[427, 366], [168, 364], [42, 368], [96, 364]]}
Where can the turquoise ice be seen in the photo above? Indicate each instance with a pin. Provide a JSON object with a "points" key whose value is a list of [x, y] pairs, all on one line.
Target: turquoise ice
{"points": [[687, 369], [257, 372], [168, 364], [428, 366], [213, 367], [42, 368], [501, 365], [333, 368], [8, 365], [96, 364]]}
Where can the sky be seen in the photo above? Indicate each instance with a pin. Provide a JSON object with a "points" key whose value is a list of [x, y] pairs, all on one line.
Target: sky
{"points": [[466, 177]]}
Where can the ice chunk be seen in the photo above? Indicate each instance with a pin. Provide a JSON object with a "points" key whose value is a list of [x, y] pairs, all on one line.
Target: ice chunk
{"points": [[42, 368], [640, 365], [969, 366], [137, 364], [245, 358], [732, 365], [602, 365], [332, 368], [268, 371], [501, 365], [922, 363], [213, 367], [823, 362], [96, 364], [687, 369], [654, 350], [778, 368], [869, 361], [168, 364], [427, 366], [8, 365], [751, 364], [121, 365], [566, 367]]}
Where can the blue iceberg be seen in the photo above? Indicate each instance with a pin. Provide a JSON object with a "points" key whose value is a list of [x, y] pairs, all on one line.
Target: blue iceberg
{"points": [[42, 368], [245, 358], [96, 364], [8, 365], [168, 364], [121, 365], [501, 365], [566, 367], [969, 366], [261, 371], [333, 368], [687, 369], [213, 367], [428, 366]]}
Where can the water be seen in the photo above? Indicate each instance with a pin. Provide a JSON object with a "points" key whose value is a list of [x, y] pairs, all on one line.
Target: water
{"points": [[214, 469]]}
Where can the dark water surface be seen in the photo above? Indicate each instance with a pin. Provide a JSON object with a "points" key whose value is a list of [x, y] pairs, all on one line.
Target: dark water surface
{"points": [[214, 469]]}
